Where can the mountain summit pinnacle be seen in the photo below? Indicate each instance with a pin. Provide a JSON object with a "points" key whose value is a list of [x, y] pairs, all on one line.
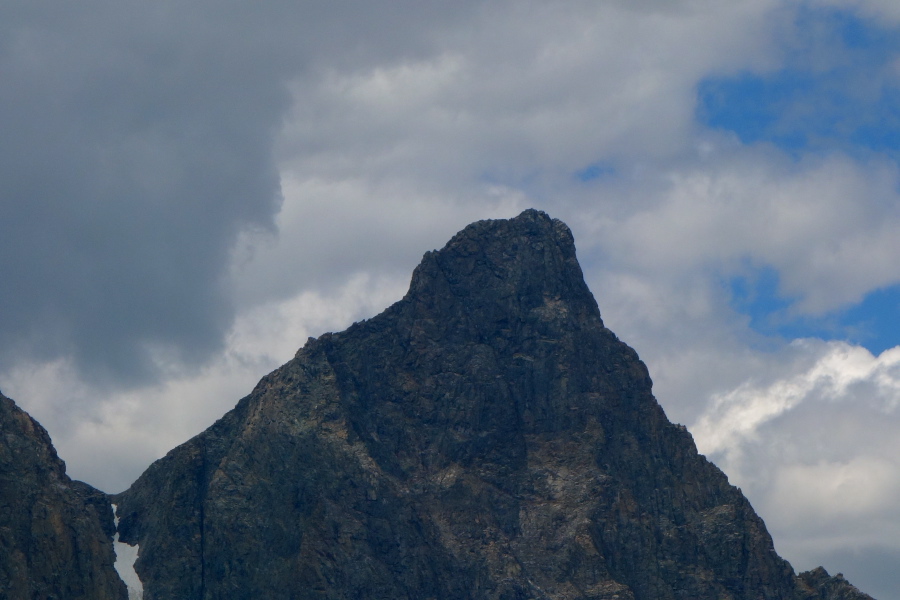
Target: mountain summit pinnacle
{"points": [[486, 437], [512, 266]]}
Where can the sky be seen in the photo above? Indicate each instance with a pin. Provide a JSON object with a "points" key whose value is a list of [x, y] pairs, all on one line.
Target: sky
{"points": [[191, 189]]}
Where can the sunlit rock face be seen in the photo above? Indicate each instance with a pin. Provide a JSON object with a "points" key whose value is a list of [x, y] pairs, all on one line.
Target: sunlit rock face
{"points": [[486, 437], [55, 533]]}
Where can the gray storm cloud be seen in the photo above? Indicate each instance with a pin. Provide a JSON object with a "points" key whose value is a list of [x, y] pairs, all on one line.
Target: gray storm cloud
{"points": [[132, 156], [137, 145]]}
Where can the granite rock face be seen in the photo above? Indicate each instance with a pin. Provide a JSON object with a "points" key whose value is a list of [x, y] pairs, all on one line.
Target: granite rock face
{"points": [[55, 533], [486, 437]]}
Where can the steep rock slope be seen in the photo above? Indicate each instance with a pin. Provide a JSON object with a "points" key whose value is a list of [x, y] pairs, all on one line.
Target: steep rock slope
{"points": [[486, 437], [55, 533]]}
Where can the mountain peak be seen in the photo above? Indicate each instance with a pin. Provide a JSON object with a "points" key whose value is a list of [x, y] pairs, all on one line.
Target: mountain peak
{"points": [[513, 265], [486, 437]]}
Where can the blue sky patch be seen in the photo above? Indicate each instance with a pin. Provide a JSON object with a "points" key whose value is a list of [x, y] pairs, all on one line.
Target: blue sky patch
{"points": [[873, 323], [838, 90], [595, 171], [756, 295]]}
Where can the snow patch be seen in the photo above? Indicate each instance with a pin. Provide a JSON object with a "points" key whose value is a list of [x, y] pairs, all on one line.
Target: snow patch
{"points": [[125, 557]]}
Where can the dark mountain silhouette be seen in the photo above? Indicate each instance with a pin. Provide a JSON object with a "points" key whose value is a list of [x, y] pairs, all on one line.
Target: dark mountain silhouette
{"points": [[486, 437]]}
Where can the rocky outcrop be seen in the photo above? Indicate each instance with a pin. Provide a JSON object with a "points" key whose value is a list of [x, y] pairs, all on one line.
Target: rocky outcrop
{"points": [[486, 437], [819, 585], [55, 533]]}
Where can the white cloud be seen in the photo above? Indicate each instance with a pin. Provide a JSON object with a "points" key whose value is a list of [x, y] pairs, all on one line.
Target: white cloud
{"points": [[828, 491], [816, 448], [840, 370], [330, 229], [826, 224], [524, 88]]}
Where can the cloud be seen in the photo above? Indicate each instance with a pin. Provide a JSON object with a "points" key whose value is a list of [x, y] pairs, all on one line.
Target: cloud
{"points": [[837, 490], [135, 149], [840, 371], [825, 224], [815, 447], [330, 229], [883, 10], [143, 143], [524, 87], [832, 372], [138, 144]]}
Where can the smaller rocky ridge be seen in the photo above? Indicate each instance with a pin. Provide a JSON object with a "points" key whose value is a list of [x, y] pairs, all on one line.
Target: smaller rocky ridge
{"points": [[55, 533], [819, 585]]}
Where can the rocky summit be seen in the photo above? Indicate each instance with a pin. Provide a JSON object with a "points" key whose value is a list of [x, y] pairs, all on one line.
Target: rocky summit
{"points": [[484, 438]]}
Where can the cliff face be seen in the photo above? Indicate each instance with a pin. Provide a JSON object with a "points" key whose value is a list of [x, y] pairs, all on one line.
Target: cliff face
{"points": [[486, 437], [55, 533]]}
